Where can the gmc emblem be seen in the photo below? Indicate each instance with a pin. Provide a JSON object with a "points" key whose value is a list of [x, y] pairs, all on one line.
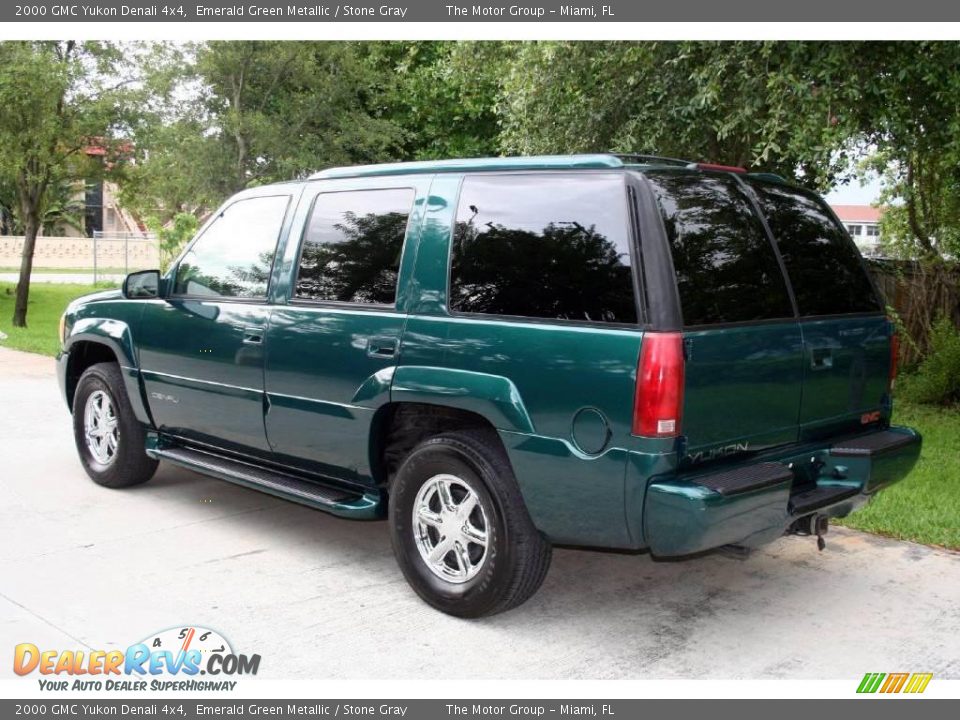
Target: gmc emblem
{"points": [[870, 417]]}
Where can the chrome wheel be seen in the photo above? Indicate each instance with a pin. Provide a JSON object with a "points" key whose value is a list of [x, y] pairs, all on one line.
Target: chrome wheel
{"points": [[450, 528], [100, 427]]}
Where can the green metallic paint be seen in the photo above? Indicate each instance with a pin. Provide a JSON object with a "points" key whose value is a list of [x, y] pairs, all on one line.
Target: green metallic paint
{"points": [[202, 380], [743, 387], [682, 517], [559, 394], [846, 363], [492, 396]]}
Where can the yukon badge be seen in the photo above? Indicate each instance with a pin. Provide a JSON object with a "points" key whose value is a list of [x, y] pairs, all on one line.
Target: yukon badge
{"points": [[718, 452]]}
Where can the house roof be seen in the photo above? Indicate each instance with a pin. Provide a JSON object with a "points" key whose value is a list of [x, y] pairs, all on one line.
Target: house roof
{"points": [[858, 213]]}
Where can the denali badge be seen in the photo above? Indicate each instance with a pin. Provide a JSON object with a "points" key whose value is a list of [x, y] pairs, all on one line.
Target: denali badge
{"points": [[161, 396]]}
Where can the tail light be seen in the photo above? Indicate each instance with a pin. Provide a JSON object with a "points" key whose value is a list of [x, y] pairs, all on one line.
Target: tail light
{"points": [[894, 358], [658, 400]]}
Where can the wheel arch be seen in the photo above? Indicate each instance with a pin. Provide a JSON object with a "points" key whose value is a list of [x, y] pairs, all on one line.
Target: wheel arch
{"points": [[398, 427]]}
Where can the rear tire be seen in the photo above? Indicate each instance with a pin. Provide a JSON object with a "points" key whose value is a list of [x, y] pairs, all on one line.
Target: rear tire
{"points": [[460, 529], [110, 440]]}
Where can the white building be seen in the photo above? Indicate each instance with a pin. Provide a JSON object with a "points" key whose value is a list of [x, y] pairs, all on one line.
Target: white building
{"points": [[863, 224]]}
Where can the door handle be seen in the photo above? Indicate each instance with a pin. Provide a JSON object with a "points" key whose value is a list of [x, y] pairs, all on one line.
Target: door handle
{"points": [[821, 358], [253, 335], [381, 347]]}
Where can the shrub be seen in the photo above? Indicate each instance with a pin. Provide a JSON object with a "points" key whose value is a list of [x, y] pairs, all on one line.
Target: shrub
{"points": [[937, 378]]}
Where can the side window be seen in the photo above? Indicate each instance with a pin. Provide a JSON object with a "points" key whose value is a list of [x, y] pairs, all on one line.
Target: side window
{"points": [[824, 266], [727, 270], [352, 246], [547, 246], [234, 255]]}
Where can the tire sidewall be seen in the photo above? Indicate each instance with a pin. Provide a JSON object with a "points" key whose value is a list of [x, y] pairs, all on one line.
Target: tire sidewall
{"points": [[130, 465], [89, 384], [475, 596]]}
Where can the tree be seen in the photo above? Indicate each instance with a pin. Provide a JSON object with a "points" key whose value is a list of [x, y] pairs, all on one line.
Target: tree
{"points": [[773, 106], [442, 94], [58, 98], [253, 112]]}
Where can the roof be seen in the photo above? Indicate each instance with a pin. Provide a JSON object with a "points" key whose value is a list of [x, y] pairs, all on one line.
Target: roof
{"points": [[858, 213], [535, 162]]}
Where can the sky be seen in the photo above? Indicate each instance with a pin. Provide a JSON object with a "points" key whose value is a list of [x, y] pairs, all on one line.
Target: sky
{"points": [[855, 194]]}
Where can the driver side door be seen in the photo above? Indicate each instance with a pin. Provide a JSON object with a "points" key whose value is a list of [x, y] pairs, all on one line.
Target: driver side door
{"points": [[201, 348]]}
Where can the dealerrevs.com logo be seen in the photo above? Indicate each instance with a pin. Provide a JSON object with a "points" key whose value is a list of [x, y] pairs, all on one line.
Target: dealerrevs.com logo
{"points": [[173, 659]]}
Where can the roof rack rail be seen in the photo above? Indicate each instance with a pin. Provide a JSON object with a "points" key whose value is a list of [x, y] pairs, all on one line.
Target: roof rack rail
{"points": [[651, 159]]}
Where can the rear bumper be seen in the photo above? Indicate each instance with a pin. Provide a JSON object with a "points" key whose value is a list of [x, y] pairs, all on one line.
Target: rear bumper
{"points": [[745, 506]]}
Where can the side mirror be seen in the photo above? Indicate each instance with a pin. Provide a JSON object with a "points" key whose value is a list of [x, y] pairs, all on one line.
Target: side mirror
{"points": [[142, 285]]}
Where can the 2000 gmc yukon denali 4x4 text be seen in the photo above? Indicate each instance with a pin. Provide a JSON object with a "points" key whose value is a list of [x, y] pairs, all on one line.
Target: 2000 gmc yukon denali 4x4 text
{"points": [[500, 355]]}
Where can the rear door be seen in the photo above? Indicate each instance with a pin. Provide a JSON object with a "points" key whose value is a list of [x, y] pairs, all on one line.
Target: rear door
{"points": [[743, 345], [846, 336], [334, 339]]}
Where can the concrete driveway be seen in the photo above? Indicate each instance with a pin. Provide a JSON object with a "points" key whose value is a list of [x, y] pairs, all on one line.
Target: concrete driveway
{"points": [[316, 596]]}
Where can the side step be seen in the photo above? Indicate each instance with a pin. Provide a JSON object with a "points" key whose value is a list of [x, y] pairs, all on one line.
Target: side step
{"points": [[818, 497], [339, 501], [746, 479], [871, 445]]}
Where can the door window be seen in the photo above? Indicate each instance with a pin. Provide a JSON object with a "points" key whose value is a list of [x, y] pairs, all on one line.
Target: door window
{"points": [[352, 246], [726, 268], [234, 255], [548, 246], [825, 268]]}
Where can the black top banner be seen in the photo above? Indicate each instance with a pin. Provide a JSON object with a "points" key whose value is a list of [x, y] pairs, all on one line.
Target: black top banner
{"points": [[452, 11]]}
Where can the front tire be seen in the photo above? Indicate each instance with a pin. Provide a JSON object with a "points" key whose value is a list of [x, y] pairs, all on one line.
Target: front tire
{"points": [[460, 529], [109, 439]]}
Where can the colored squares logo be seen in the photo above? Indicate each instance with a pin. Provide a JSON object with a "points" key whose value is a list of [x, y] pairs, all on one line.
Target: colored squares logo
{"points": [[894, 683]]}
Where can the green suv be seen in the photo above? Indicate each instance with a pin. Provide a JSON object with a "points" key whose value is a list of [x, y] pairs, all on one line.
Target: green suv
{"points": [[499, 355]]}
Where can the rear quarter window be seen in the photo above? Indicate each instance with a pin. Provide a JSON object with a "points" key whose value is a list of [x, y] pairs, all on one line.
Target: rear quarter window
{"points": [[824, 265], [726, 268], [543, 246]]}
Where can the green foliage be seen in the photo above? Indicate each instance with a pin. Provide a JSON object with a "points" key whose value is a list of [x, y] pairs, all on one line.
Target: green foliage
{"points": [[937, 379], [174, 235], [925, 505], [443, 95], [58, 98], [259, 112], [773, 106]]}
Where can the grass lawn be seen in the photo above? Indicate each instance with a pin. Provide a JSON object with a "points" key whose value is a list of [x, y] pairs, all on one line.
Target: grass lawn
{"points": [[925, 506], [46, 305]]}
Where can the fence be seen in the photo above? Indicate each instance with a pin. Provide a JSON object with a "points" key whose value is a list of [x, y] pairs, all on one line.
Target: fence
{"points": [[918, 293], [99, 256]]}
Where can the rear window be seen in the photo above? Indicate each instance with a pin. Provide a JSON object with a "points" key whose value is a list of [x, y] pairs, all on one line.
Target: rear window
{"points": [[824, 266], [726, 268], [543, 246]]}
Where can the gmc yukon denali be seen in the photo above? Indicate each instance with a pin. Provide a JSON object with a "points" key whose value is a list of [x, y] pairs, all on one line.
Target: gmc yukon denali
{"points": [[499, 355]]}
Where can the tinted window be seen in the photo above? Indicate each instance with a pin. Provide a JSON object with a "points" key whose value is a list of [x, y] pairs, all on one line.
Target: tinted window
{"points": [[551, 246], [352, 246], [727, 270], [234, 255], [824, 266]]}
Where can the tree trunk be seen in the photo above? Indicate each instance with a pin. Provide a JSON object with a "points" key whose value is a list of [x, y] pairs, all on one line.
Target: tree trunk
{"points": [[31, 226]]}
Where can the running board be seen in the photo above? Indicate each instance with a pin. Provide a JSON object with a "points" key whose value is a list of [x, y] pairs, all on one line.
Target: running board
{"points": [[330, 498]]}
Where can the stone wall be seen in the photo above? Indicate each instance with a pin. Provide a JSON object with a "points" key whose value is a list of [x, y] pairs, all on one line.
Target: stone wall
{"points": [[72, 252]]}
